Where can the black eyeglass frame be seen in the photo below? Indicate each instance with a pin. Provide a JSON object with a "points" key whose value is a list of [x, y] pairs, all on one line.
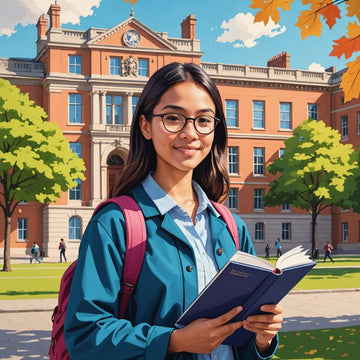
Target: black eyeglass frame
{"points": [[217, 120]]}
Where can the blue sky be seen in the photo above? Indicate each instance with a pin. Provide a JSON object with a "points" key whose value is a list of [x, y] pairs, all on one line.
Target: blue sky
{"points": [[224, 27]]}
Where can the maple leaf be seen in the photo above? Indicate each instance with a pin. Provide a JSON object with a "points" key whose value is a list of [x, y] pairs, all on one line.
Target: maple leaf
{"points": [[353, 8], [350, 82], [347, 45], [330, 12], [132, 1], [269, 9], [309, 24]]}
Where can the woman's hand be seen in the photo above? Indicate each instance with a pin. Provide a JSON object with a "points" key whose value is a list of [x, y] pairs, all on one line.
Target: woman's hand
{"points": [[265, 326], [203, 336]]}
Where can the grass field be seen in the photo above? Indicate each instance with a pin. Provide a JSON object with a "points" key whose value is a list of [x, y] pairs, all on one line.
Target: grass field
{"points": [[27, 281], [325, 344]]}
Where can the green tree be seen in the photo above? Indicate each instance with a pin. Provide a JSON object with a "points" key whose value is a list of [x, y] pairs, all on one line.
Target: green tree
{"points": [[313, 171], [35, 160]]}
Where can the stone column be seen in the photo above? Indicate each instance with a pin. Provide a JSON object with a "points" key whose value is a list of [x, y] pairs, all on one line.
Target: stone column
{"points": [[127, 106], [103, 107], [95, 110], [95, 173]]}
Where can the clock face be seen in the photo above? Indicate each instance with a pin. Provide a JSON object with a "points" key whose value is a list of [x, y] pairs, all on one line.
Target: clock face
{"points": [[132, 38]]}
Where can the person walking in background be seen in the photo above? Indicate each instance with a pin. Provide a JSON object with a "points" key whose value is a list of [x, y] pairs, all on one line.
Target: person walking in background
{"points": [[175, 166], [278, 247], [35, 253], [62, 248], [267, 250], [328, 248]]}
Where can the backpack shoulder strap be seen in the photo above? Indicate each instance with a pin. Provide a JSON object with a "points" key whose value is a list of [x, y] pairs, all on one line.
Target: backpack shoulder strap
{"points": [[230, 221], [135, 245]]}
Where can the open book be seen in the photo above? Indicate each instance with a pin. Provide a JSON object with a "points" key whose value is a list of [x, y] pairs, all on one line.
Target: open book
{"points": [[248, 281]]}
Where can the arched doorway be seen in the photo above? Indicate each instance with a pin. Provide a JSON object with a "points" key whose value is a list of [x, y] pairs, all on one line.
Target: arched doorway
{"points": [[115, 164]]}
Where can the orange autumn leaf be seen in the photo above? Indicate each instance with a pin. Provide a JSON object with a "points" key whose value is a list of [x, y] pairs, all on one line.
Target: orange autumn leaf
{"points": [[347, 45], [353, 8], [311, 352], [330, 12], [331, 338], [132, 1], [269, 9], [350, 81], [345, 355], [309, 24]]}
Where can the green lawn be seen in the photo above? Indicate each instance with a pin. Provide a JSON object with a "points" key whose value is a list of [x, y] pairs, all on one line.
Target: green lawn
{"points": [[326, 344], [27, 281]]}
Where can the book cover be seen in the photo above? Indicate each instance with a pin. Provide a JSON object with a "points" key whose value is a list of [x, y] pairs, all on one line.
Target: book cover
{"points": [[248, 281]]}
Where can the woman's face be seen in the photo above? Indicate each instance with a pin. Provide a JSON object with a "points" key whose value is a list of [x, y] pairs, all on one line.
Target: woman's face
{"points": [[180, 152]]}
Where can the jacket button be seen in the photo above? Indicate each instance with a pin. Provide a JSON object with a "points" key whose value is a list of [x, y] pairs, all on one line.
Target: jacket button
{"points": [[219, 251], [189, 268]]}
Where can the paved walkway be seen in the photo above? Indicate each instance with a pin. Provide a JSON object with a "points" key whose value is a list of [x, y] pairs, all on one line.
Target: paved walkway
{"points": [[25, 325]]}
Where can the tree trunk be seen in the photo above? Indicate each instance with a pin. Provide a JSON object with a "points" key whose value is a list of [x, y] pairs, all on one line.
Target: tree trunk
{"points": [[7, 266], [313, 233]]}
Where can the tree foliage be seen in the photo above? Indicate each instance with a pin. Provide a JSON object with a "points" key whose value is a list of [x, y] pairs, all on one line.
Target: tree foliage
{"points": [[35, 160], [310, 23], [313, 172]]}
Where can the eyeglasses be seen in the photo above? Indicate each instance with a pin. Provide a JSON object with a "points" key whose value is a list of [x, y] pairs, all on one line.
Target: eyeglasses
{"points": [[173, 122]]}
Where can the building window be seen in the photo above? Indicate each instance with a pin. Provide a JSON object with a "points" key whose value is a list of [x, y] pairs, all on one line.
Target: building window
{"points": [[74, 228], [115, 65], [135, 100], [75, 66], [281, 152], [344, 126], [231, 110], [313, 111], [22, 225], [358, 121], [259, 114], [75, 109], [258, 199], [259, 161], [75, 192], [259, 231], [76, 148], [285, 207], [143, 67], [114, 107], [344, 231], [286, 231], [285, 116], [233, 198], [233, 160]]}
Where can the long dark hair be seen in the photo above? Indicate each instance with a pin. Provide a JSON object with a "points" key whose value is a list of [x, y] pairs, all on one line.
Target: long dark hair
{"points": [[211, 174]]}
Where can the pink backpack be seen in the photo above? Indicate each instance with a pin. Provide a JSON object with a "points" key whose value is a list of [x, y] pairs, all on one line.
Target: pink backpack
{"points": [[134, 256]]}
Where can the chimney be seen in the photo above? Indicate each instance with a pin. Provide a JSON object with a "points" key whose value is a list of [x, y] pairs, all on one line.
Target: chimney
{"points": [[42, 26], [188, 27], [281, 61], [54, 14]]}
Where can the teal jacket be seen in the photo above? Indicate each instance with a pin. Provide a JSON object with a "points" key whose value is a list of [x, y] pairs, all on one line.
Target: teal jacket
{"points": [[166, 286]]}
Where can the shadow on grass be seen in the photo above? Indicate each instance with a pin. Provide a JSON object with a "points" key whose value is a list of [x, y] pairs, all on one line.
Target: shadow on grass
{"points": [[324, 344], [321, 272]]}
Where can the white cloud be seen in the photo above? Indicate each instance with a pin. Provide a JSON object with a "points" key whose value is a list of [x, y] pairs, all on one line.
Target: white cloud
{"points": [[316, 67], [25, 12], [242, 30]]}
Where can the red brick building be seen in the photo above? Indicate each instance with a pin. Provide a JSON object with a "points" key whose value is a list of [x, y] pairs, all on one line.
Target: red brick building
{"points": [[89, 83]]}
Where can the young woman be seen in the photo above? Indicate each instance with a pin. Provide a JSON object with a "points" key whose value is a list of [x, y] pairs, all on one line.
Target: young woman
{"points": [[175, 165]]}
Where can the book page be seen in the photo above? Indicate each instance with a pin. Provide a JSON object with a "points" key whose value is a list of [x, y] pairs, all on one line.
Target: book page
{"points": [[294, 257], [245, 258]]}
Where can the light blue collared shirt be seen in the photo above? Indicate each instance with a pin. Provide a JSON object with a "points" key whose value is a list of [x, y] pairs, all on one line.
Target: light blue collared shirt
{"points": [[199, 237]]}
